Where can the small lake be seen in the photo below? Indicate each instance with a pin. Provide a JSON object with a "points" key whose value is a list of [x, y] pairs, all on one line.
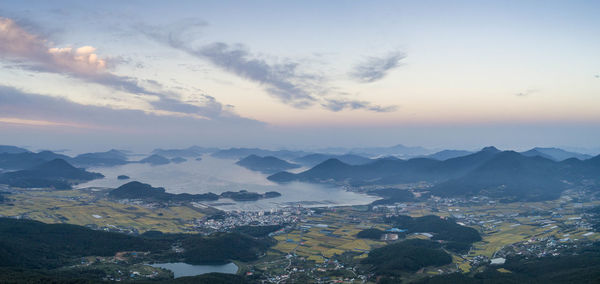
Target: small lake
{"points": [[219, 175], [181, 269]]}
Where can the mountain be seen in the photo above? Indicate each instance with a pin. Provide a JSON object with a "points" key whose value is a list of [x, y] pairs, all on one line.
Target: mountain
{"points": [[397, 150], [315, 159], [155, 160], [32, 244], [593, 162], [142, 191], [408, 256], [56, 173], [332, 169], [554, 154], [193, 151], [109, 158], [49, 155], [389, 171], [512, 176], [26, 160], [267, 165], [448, 154], [7, 149], [238, 153], [504, 174], [461, 165]]}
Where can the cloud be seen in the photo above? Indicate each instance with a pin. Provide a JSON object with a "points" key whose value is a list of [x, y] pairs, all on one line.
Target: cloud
{"points": [[376, 68], [526, 93], [17, 42], [338, 105], [48, 122], [282, 80], [20, 107], [278, 78], [83, 63], [208, 106]]}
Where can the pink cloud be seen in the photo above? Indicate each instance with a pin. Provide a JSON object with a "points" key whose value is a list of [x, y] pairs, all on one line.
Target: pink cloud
{"points": [[39, 54], [19, 43]]}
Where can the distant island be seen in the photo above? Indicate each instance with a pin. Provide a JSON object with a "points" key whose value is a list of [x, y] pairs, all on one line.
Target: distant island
{"points": [[155, 160], [178, 160], [244, 195], [15, 158], [122, 177], [26, 160], [57, 174], [267, 165], [107, 159], [141, 191]]}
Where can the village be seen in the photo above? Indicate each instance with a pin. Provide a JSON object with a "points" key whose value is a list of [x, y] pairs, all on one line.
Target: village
{"points": [[321, 243]]}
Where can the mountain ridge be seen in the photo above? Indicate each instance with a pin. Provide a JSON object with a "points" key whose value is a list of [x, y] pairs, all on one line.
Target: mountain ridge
{"points": [[490, 171], [267, 164]]}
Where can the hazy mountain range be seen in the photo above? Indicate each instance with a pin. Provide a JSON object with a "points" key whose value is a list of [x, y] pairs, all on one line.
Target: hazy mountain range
{"points": [[507, 174], [238, 153], [539, 173], [267, 165], [555, 154], [315, 159]]}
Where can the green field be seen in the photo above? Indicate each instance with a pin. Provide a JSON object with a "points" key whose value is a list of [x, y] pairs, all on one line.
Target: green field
{"points": [[84, 207]]}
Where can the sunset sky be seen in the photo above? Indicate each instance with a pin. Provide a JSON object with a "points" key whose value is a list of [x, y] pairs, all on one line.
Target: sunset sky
{"points": [[440, 74]]}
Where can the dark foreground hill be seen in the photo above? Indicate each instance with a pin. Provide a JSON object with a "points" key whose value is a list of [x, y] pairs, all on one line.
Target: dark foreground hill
{"points": [[441, 228], [506, 174], [581, 265], [56, 174], [32, 244], [267, 165], [35, 252], [409, 255]]}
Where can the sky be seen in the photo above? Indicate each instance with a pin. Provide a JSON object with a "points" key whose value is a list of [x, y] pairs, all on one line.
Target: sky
{"points": [[94, 75]]}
